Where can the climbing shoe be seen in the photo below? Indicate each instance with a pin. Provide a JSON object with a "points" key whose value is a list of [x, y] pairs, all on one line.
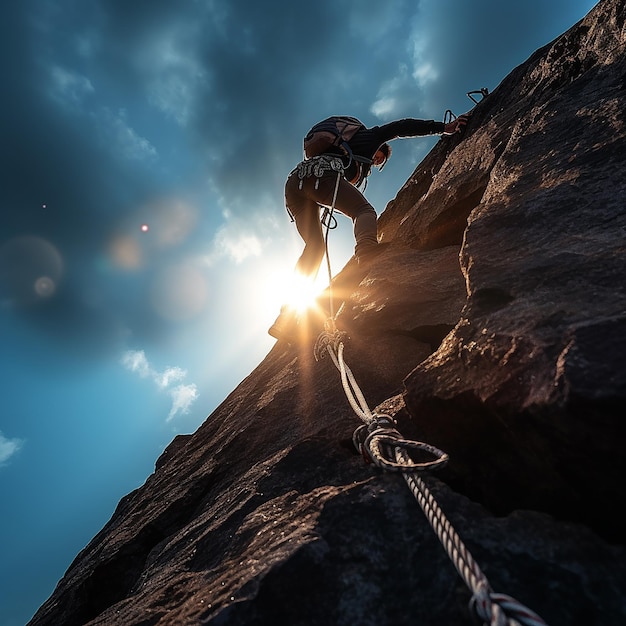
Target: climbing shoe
{"points": [[285, 326], [368, 253]]}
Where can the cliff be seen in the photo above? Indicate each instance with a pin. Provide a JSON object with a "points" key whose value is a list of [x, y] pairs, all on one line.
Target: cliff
{"points": [[493, 326]]}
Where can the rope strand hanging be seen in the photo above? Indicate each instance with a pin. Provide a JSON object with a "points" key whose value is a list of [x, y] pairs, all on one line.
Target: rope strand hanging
{"points": [[329, 217]]}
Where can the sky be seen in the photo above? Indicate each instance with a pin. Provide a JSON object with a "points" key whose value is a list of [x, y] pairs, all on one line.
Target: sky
{"points": [[144, 241]]}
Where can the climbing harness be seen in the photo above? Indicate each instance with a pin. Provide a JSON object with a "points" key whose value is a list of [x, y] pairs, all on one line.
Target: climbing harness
{"points": [[318, 166]]}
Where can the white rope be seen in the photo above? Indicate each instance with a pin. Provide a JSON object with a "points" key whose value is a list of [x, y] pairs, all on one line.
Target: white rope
{"points": [[330, 274], [493, 609], [350, 384]]}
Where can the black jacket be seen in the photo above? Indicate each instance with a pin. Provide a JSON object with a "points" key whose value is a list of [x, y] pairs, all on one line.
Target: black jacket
{"points": [[366, 141]]}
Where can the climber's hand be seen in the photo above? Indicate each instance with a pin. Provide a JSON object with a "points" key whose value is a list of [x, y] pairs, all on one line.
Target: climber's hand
{"points": [[457, 125]]}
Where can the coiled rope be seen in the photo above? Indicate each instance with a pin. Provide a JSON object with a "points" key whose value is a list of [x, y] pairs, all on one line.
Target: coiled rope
{"points": [[379, 442]]}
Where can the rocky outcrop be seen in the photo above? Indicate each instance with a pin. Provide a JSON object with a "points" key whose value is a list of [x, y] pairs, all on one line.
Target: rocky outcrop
{"points": [[493, 325]]}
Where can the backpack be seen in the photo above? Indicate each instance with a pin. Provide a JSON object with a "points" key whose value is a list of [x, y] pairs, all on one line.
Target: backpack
{"points": [[333, 132]]}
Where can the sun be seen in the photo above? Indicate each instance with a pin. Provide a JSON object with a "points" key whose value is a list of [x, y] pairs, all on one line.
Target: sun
{"points": [[288, 288], [303, 292]]}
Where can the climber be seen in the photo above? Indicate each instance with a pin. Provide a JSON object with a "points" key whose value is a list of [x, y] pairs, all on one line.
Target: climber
{"points": [[337, 173]]}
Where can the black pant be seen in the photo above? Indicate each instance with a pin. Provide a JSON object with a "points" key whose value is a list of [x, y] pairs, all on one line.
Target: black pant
{"points": [[304, 205]]}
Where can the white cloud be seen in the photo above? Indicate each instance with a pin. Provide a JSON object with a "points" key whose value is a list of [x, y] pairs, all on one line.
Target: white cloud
{"points": [[71, 90], [236, 242], [171, 374], [383, 107], [399, 94], [240, 246], [8, 448], [396, 96], [136, 361], [424, 70], [425, 73], [182, 395]]}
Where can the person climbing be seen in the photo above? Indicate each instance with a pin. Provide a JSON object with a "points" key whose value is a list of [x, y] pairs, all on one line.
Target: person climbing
{"points": [[332, 178]]}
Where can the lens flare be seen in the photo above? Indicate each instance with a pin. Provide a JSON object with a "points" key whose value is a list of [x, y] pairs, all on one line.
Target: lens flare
{"points": [[31, 269], [45, 287], [125, 253], [302, 293]]}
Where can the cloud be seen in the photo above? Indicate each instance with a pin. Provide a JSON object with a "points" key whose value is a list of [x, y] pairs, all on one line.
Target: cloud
{"points": [[171, 374], [135, 361], [69, 88], [397, 96], [120, 136], [173, 73], [182, 395], [8, 448], [239, 239], [237, 246]]}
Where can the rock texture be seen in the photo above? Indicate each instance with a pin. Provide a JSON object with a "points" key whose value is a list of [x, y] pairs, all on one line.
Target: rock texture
{"points": [[493, 325]]}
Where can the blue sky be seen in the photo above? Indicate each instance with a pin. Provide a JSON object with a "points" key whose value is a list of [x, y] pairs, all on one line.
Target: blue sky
{"points": [[143, 236]]}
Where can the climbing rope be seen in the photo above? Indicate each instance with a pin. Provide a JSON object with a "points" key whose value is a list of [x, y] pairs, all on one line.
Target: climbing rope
{"points": [[491, 608], [327, 220], [379, 442]]}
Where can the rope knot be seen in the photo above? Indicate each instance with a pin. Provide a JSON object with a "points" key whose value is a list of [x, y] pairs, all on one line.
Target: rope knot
{"points": [[378, 440], [361, 436]]}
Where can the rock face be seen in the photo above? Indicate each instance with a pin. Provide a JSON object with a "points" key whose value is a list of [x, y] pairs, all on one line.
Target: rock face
{"points": [[493, 325]]}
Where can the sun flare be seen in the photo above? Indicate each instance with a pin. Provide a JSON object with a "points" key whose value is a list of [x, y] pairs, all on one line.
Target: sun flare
{"points": [[303, 293], [292, 290]]}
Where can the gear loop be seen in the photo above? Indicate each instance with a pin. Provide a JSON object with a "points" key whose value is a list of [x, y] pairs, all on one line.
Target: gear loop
{"points": [[318, 166]]}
